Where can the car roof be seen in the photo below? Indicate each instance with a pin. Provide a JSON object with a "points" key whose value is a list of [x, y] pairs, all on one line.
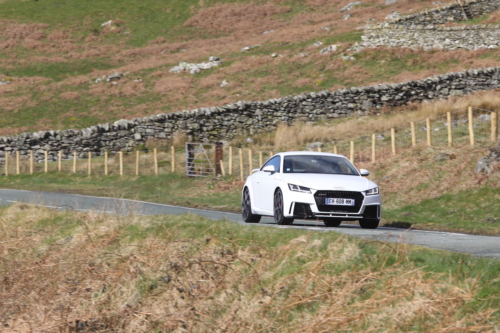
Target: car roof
{"points": [[291, 153]]}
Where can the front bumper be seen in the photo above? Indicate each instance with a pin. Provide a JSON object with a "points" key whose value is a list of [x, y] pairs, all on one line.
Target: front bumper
{"points": [[311, 206]]}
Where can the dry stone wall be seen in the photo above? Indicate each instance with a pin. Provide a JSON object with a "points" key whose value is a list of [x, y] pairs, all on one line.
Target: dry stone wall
{"points": [[449, 13], [433, 37], [425, 30], [225, 122]]}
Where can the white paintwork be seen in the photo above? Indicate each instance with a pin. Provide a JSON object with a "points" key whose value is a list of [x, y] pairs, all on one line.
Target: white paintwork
{"points": [[262, 185]]}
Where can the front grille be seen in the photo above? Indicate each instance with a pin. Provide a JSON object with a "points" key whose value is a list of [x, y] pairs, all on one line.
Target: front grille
{"points": [[320, 197]]}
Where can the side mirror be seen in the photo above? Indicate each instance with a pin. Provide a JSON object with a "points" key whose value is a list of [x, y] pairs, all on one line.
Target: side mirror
{"points": [[268, 168], [364, 172]]}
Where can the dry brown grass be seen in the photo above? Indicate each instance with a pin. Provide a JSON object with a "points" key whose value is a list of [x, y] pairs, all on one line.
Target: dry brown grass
{"points": [[494, 18], [451, 177], [12, 104], [174, 84], [238, 19], [298, 135], [90, 273], [70, 95], [34, 31]]}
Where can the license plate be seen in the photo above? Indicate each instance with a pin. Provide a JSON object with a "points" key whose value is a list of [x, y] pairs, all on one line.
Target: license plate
{"points": [[340, 201]]}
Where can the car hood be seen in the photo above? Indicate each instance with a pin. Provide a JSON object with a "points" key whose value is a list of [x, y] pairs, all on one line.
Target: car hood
{"points": [[330, 182]]}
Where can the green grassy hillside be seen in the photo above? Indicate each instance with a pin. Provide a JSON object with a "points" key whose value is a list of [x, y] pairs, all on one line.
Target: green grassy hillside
{"points": [[53, 51]]}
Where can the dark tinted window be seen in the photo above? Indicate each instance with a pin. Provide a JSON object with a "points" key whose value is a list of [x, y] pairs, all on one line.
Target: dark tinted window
{"points": [[276, 161], [318, 164]]}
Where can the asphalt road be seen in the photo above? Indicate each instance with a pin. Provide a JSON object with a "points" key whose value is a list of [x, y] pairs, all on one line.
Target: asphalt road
{"points": [[484, 246]]}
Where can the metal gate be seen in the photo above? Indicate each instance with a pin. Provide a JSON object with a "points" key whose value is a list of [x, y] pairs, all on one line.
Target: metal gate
{"points": [[203, 160]]}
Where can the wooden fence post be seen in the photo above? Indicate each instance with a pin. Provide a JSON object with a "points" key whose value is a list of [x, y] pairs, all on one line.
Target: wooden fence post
{"points": [[155, 161], [32, 162], [59, 160], [137, 162], [494, 126], [413, 135], [450, 133], [230, 167], [120, 154], [319, 149], [6, 163], [351, 155], [18, 162], [260, 159], [335, 149], [271, 154], [74, 162], [393, 141], [90, 163], [105, 162], [374, 138], [172, 150], [471, 127], [250, 164], [46, 161], [219, 156], [223, 172], [429, 132], [242, 177]]}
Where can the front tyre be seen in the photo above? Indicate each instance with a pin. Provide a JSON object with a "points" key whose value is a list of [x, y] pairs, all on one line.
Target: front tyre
{"points": [[368, 223], [279, 215], [329, 222], [246, 209]]}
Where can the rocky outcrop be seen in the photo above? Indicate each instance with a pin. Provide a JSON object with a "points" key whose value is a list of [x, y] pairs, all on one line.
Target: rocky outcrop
{"points": [[196, 68], [490, 162], [225, 122]]}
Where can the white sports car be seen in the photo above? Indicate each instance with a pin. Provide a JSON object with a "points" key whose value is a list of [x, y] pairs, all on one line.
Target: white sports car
{"points": [[311, 185]]}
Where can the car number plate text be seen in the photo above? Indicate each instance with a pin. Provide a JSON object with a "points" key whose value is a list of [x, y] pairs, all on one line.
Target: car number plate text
{"points": [[340, 201]]}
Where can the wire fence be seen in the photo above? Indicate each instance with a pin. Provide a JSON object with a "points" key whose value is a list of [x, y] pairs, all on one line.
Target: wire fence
{"points": [[471, 127]]}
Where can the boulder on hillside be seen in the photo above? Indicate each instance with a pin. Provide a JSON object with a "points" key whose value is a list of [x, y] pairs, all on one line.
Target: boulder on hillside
{"points": [[350, 6], [314, 146], [116, 76], [329, 49], [490, 162], [196, 68], [444, 157]]}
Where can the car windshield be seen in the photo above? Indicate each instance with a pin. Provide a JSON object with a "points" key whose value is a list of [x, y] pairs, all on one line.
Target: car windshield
{"points": [[318, 164]]}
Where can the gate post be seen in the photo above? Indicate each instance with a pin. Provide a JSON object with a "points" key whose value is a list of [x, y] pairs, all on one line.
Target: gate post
{"points": [[190, 160], [219, 156]]}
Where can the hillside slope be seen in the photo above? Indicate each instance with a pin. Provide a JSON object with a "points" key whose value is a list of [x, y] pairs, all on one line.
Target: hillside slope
{"points": [[57, 56]]}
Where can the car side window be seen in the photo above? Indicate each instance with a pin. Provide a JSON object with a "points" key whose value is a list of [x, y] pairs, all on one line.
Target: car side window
{"points": [[275, 161]]}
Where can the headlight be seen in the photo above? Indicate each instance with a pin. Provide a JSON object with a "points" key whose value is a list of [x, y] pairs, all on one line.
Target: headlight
{"points": [[297, 188], [373, 191]]}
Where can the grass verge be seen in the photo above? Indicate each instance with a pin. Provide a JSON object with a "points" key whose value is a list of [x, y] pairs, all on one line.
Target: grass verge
{"points": [[209, 193], [84, 272], [416, 189]]}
